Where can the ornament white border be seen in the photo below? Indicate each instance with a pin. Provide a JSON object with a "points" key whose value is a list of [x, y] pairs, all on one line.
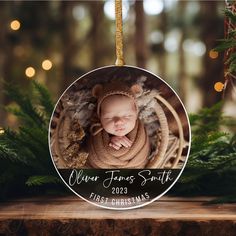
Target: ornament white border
{"points": [[145, 203]]}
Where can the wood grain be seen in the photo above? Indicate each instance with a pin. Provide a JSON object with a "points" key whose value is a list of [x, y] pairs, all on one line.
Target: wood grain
{"points": [[72, 216]]}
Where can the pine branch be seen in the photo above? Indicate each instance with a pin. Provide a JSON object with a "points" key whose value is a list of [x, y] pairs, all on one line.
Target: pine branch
{"points": [[207, 120], [27, 110], [8, 153], [39, 180], [211, 167], [231, 15], [24, 156], [9, 141], [44, 98], [21, 115], [225, 44]]}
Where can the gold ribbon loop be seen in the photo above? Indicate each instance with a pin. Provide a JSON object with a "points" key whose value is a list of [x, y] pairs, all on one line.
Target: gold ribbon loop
{"points": [[119, 34]]}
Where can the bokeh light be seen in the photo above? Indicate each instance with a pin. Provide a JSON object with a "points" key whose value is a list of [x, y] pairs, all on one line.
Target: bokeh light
{"points": [[213, 54], [170, 4], [156, 37], [198, 48], [153, 7], [15, 25], [1, 131], [219, 86], [47, 64], [78, 12], [172, 40], [171, 44], [30, 72], [192, 8], [109, 9]]}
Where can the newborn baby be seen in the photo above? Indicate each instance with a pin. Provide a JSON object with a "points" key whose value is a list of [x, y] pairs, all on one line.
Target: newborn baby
{"points": [[119, 140], [118, 118]]}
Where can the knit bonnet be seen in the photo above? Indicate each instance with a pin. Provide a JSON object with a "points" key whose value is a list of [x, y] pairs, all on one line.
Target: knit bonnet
{"points": [[115, 88]]}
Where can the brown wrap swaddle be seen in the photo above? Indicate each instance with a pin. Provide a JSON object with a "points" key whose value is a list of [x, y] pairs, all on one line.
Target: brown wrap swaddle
{"points": [[101, 155]]}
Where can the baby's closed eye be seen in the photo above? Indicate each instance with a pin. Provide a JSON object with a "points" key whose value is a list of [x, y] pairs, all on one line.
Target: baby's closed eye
{"points": [[128, 116]]}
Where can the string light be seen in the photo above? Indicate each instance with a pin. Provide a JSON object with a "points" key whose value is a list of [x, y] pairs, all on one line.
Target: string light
{"points": [[218, 86], [30, 72], [46, 64], [213, 54], [15, 25]]}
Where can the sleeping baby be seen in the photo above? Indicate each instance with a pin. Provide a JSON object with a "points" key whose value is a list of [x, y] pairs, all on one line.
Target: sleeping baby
{"points": [[119, 139]]}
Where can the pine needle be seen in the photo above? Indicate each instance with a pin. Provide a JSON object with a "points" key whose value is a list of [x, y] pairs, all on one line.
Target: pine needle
{"points": [[39, 180]]}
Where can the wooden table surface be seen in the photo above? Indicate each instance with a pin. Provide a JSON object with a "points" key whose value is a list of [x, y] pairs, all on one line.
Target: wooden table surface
{"points": [[167, 216]]}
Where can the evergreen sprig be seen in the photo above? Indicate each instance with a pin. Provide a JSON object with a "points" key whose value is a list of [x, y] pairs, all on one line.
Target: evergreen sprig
{"points": [[39, 180], [26, 111], [211, 167], [24, 156], [44, 99]]}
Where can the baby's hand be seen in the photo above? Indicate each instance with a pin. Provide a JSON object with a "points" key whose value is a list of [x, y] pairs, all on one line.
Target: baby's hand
{"points": [[118, 141]]}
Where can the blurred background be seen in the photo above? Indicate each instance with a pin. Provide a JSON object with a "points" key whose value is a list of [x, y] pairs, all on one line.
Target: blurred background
{"points": [[55, 42]]}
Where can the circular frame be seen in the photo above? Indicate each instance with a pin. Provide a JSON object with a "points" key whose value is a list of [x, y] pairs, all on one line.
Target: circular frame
{"points": [[188, 130]]}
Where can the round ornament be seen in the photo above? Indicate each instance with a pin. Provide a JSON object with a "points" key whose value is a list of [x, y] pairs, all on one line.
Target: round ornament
{"points": [[119, 137]]}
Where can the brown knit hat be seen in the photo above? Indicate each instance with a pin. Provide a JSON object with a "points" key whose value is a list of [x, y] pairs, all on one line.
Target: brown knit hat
{"points": [[115, 88]]}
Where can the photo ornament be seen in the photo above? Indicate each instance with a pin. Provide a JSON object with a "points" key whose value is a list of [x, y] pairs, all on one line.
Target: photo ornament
{"points": [[119, 137]]}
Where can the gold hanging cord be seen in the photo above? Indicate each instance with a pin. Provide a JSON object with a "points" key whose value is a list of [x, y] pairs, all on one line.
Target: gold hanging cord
{"points": [[119, 34]]}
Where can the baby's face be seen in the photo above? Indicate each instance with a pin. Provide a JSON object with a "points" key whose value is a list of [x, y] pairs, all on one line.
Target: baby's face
{"points": [[118, 115]]}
